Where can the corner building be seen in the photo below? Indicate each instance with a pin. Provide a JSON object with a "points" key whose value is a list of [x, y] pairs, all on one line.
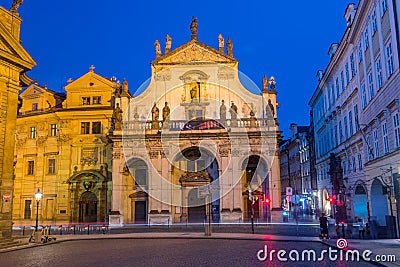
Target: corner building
{"points": [[195, 138], [355, 119]]}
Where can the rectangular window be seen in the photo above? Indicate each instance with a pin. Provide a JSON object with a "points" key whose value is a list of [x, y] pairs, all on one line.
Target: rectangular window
{"points": [[374, 24], [351, 123], [389, 60], [27, 209], [379, 77], [344, 167], [352, 66], [96, 127], [85, 127], [384, 6], [366, 39], [347, 73], [354, 164], [340, 132], [360, 53], [35, 106], [96, 100], [376, 144], [31, 167], [386, 148], [333, 93], [370, 86], [356, 118], [360, 164], [337, 87], [370, 152], [346, 129], [53, 129], [85, 100], [33, 133], [364, 95], [52, 166], [342, 80], [396, 126]]}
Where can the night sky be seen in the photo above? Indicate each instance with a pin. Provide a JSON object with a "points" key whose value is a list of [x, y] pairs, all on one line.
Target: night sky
{"points": [[285, 39]]}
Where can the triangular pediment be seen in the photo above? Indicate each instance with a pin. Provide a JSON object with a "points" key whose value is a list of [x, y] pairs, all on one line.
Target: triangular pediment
{"points": [[12, 50], [194, 51], [32, 91], [90, 81]]}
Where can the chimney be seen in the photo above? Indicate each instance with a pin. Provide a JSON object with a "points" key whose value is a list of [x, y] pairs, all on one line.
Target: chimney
{"points": [[293, 129]]}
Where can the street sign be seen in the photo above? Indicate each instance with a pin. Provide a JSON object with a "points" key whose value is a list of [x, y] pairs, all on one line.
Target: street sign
{"points": [[289, 191], [296, 199]]}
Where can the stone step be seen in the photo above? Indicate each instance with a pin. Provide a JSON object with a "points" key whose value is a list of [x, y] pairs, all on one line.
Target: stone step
{"points": [[10, 243]]}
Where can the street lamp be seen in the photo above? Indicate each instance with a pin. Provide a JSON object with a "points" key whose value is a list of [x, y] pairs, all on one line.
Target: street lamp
{"points": [[38, 197]]}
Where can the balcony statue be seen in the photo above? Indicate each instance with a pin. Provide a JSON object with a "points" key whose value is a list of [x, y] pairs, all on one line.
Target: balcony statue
{"points": [[166, 112], [222, 112]]}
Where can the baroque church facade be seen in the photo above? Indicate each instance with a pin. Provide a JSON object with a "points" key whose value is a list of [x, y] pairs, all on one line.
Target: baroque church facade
{"points": [[196, 143]]}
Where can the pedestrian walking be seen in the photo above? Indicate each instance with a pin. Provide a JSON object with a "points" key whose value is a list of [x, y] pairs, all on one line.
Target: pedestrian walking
{"points": [[323, 224], [361, 230]]}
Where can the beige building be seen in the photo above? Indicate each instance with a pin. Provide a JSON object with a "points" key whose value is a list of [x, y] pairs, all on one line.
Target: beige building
{"points": [[62, 149], [196, 139], [14, 63]]}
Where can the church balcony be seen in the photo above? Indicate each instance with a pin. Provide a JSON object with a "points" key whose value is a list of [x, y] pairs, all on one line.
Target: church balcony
{"points": [[199, 125]]}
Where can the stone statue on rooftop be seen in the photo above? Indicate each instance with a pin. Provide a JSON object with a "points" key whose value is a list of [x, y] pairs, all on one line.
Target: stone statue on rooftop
{"points": [[194, 28]]}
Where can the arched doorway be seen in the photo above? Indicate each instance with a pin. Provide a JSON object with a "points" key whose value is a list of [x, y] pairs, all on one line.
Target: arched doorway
{"points": [[88, 207], [88, 194], [360, 203], [379, 202], [194, 168], [255, 179]]}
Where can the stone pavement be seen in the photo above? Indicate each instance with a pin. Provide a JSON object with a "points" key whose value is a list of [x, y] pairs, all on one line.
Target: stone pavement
{"points": [[378, 247]]}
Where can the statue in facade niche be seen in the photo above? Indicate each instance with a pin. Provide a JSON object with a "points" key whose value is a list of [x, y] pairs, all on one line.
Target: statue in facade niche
{"points": [[158, 48], [222, 111], [193, 92], [117, 117], [194, 28], [221, 43], [166, 112], [168, 44], [155, 113], [15, 5], [229, 47]]}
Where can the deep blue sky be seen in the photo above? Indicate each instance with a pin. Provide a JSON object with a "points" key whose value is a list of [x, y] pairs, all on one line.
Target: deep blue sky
{"points": [[286, 39]]}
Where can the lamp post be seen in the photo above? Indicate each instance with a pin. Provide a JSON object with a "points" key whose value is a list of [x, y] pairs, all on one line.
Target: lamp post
{"points": [[38, 197]]}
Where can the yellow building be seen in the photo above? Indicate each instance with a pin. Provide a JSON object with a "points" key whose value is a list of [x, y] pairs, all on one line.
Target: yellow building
{"points": [[62, 148], [14, 63]]}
